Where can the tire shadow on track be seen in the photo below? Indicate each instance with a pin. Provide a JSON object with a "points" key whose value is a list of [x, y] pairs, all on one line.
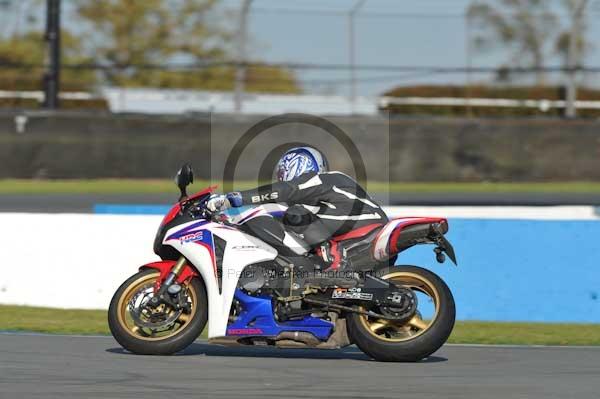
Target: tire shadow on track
{"points": [[199, 349]]}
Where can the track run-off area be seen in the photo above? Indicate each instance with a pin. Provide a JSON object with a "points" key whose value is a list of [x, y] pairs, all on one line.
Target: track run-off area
{"points": [[56, 366]]}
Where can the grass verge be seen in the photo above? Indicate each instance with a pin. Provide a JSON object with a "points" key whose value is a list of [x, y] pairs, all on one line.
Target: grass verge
{"points": [[479, 332], [54, 321], [61, 321], [146, 186]]}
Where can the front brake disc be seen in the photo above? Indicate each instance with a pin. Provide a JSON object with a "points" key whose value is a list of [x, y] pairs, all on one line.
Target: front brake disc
{"points": [[138, 316]]}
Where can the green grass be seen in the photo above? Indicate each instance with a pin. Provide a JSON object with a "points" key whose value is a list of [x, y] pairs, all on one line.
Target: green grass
{"points": [[145, 186], [100, 186], [477, 332], [60, 321], [487, 187], [54, 321]]}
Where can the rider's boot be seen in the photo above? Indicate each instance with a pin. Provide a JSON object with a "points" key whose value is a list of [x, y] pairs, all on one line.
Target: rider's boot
{"points": [[333, 256]]}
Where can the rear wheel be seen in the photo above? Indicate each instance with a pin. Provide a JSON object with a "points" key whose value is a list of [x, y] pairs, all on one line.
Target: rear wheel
{"points": [[422, 334], [160, 330]]}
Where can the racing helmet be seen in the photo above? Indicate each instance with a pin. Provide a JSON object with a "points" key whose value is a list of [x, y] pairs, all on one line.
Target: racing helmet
{"points": [[300, 160]]}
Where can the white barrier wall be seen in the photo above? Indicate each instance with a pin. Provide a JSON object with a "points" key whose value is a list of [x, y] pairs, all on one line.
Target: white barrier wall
{"points": [[79, 260], [71, 260]]}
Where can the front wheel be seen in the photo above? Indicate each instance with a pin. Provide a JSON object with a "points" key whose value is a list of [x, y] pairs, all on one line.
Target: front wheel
{"points": [[160, 330], [422, 334]]}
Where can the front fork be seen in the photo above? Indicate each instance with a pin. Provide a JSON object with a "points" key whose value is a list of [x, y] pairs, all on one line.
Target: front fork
{"points": [[168, 285], [172, 276]]}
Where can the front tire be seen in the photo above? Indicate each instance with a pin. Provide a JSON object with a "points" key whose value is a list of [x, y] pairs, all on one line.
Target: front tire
{"points": [[160, 331], [415, 339]]}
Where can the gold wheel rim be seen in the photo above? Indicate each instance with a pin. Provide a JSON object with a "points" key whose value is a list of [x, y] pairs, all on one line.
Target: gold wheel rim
{"points": [[416, 326], [146, 283]]}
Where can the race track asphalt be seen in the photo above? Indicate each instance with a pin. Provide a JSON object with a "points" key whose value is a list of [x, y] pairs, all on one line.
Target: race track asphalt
{"points": [[41, 366]]}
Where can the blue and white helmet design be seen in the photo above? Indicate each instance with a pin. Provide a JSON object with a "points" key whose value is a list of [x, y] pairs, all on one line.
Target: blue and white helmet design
{"points": [[298, 161]]}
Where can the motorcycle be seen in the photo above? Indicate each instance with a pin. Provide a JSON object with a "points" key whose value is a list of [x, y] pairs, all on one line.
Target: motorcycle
{"points": [[214, 271]]}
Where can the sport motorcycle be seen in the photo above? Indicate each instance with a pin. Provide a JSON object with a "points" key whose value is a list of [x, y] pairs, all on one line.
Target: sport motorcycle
{"points": [[214, 271]]}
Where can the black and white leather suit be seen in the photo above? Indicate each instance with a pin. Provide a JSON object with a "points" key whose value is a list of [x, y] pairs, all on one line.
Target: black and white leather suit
{"points": [[320, 206]]}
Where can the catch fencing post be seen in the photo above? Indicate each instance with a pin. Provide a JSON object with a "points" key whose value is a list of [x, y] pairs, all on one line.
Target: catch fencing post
{"points": [[573, 59], [52, 37], [240, 68]]}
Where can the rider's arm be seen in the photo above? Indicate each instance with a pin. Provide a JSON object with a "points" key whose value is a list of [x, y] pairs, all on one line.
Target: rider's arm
{"points": [[306, 189]]}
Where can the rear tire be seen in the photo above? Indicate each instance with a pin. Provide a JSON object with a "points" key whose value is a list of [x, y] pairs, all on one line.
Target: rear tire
{"points": [[130, 337], [406, 349]]}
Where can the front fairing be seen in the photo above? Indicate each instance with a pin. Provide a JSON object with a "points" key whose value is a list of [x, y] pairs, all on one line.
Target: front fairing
{"points": [[178, 214], [174, 218]]}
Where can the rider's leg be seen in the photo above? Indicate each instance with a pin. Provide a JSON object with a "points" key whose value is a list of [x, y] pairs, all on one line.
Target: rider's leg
{"points": [[271, 231], [316, 233], [291, 248], [303, 222]]}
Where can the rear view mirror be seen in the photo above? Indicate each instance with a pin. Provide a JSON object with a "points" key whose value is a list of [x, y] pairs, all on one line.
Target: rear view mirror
{"points": [[183, 178]]}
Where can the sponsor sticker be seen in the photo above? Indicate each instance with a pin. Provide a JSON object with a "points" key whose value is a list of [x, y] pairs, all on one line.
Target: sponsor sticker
{"points": [[197, 236], [265, 197], [351, 293]]}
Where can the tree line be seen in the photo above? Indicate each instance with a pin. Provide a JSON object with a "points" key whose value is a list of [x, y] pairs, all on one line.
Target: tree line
{"points": [[530, 32], [113, 39]]}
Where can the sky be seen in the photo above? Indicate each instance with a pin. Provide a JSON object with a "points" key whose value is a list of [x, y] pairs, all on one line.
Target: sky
{"points": [[387, 32]]}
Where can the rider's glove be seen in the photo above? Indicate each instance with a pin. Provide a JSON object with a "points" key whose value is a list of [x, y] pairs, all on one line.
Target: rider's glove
{"points": [[217, 203], [235, 199]]}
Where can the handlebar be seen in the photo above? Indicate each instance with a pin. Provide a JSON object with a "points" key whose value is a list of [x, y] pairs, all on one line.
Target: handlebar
{"points": [[197, 208]]}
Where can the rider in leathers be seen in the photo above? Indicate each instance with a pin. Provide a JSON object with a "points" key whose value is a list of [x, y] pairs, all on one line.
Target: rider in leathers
{"points": [[321, 204]]}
